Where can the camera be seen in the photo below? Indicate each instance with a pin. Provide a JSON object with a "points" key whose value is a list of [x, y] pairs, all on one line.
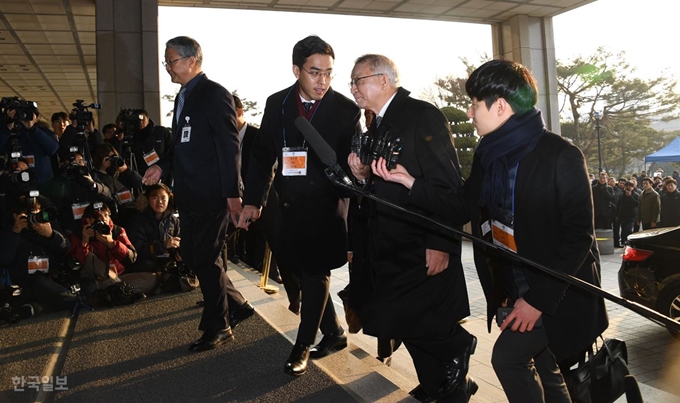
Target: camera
{"points": [[42, 216], [128, 120], [81, 113], [101, 227], [25, 110], [23, 177], [385, 143], [116, 161]]}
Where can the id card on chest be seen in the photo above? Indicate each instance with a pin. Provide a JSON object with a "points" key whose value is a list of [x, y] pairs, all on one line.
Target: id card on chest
{"points": [[294, 161]]}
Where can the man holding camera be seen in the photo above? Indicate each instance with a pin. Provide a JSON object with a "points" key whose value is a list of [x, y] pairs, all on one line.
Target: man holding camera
{"points": [[145, 140], [419, 291], [21, 137]]}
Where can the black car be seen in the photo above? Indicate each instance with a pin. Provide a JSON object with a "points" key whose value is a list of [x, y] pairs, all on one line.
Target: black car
{"points": [[650, 271]]}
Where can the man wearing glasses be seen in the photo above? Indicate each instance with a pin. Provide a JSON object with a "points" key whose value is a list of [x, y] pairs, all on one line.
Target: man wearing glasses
{"points": [[420, 292], [204, 163], [312, 235]]}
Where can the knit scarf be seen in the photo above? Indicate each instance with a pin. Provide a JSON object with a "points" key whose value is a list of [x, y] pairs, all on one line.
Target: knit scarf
{"points": [[501, 150]]}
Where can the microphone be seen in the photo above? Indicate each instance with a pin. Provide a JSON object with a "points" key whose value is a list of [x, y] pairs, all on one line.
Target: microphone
{"points": [[323, 150]]}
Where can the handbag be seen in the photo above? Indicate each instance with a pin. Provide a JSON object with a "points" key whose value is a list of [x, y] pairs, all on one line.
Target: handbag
{"points": [[600, 379]]}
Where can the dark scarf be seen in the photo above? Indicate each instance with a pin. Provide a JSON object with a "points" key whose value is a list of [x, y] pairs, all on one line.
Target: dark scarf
{"points": [[501, 150]]}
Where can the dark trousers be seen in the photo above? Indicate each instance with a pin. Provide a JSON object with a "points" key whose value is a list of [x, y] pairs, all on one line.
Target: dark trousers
{"points": [[317, 310], [202, 248], [627, 228], [429, 355], [617, 233], [527, 369]]}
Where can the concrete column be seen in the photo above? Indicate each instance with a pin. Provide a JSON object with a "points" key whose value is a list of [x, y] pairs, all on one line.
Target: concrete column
{"points": [[530, 41], [127, 57]]}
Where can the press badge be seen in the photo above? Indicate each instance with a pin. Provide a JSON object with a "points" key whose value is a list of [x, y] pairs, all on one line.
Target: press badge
{"points": [[294, 161], [186, 131], [124, 196], [151, 157], [78, 209], [38, 263], [503, 236]]}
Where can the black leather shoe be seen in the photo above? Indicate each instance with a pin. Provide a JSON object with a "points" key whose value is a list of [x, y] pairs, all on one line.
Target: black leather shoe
{"points": [[420, 395], [470, 388], [296, 364], [240, 314], [328, 344], [456, 370], [212, 339]]}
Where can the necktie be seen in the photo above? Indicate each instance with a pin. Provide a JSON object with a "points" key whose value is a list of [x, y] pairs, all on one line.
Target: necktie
{"points": [[378, 119], [180, 103], [308, 106]]}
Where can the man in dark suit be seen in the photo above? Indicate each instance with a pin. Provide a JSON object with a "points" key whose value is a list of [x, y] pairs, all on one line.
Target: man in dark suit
{"points": [[529, 193], [312, 231], [419, 293], [204, 162]]}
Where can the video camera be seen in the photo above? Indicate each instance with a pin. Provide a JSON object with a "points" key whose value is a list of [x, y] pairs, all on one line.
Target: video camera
{"points": [[385, 143], [129, 122], [82, 113], [25, 110]]}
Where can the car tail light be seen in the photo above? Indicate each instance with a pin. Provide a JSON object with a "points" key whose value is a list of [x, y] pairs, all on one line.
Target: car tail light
{"points": [[636, 255]]}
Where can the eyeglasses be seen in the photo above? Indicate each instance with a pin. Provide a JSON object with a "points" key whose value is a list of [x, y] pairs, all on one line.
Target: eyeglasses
{"points": [[356, 81], [317, 73], [170, 63]]}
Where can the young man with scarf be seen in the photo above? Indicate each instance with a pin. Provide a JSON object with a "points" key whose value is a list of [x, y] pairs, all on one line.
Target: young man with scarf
{"points": [[529, 193]]}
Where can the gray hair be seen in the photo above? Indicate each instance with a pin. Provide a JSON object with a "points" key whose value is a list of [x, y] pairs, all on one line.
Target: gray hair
{"points": [[380, 64], [186, 47]]}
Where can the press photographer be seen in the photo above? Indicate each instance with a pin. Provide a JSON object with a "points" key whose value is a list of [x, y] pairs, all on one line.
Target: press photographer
{"points": [[82, 132], [32, 248], [143, 139], [113, 172], [20, 134], [104, 251], [74, 189]]}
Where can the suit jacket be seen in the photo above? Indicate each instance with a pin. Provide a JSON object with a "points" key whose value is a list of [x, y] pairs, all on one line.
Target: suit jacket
{"points": [[553, 226], [312, 211], [406, 302], [246, 148], [205, 168]]}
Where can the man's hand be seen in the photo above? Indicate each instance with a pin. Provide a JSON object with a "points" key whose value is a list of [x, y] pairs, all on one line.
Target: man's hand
{"points": [[172, 242], [248, 215], [43, 229], [523, 317], [105, 239], [20, 223], [436, 261], [398, 175], [152, 175], [234, 208], [359, 170]]}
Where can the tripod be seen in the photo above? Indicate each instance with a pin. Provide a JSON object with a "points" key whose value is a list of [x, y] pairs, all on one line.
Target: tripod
{"points": [[75, 289]]}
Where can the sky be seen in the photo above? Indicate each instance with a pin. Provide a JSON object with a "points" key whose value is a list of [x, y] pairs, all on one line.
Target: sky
{"points": [[252, 53]]}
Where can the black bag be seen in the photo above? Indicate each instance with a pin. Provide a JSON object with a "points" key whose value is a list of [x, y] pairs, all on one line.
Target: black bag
{"points": [[601, 378], [178, 277]]}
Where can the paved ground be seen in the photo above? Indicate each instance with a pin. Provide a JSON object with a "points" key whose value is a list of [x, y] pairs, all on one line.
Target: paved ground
{"points": [[138, 353]]}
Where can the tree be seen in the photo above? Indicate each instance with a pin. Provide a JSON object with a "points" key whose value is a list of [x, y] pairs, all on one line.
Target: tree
{"points": [[464, 137], [247, 105], [451, 89], [605, 82]]}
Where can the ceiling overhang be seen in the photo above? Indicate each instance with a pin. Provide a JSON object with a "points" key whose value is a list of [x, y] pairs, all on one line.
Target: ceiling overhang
{"points": [[48, 47]]}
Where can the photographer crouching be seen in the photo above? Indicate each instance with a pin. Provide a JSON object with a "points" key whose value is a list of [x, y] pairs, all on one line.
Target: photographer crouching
{"points": [[104, 251], [112, 171], [32, 250]]}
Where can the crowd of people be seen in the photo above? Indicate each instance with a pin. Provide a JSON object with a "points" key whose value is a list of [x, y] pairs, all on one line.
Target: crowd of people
{"points": [[636, 203], [110, 207]]}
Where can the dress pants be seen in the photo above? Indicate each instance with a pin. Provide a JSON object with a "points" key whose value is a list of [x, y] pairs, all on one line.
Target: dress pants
{"points": [[317, 311], [527, 369], [202, 248], [429, 353]]}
